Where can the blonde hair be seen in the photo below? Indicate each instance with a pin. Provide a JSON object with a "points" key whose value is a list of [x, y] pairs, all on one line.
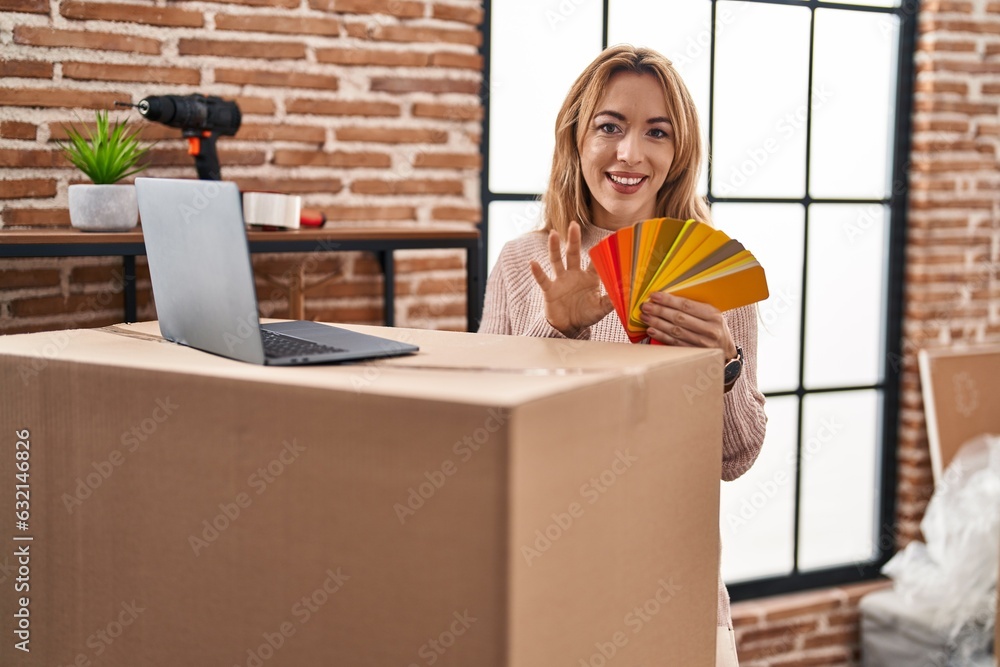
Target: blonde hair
{"points": [[568, 197]]}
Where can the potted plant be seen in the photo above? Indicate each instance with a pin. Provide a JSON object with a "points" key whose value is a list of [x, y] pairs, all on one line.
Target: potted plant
{"points": [[105, 155]]}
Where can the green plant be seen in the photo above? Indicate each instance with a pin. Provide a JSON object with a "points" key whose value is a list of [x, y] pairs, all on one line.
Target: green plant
{"points": [[108, 154]]}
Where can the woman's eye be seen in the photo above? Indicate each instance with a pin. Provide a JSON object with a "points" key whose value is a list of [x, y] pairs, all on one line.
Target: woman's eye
{"points": [[608, 128], [659, 134]]}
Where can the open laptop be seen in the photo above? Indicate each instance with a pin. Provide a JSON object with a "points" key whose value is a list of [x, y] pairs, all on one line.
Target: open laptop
{"points": [[199, 264]]}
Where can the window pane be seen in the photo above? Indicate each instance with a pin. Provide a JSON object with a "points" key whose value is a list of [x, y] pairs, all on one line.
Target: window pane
{"points": [[536, 52], [853, 110], [839, 464], [507, 220], [682, 31], [775, 234], [761, 79], [758, 509], [845, 288]]}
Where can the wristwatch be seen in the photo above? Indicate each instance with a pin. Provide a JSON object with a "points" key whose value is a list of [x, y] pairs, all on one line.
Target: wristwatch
{"points": [[733, 369]]}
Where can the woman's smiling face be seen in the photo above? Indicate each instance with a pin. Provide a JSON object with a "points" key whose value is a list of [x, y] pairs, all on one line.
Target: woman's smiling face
{"points": [[627, 150]]}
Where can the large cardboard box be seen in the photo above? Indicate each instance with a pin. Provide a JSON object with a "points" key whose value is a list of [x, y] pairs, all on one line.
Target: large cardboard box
{"points": [[490, 501]]}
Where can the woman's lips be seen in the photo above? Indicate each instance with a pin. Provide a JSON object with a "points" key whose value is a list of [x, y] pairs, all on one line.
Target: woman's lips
{"points": [[626, 184]]}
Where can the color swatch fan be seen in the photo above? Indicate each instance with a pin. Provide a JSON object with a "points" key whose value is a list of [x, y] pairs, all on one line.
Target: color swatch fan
{"points": [[682, 257]]}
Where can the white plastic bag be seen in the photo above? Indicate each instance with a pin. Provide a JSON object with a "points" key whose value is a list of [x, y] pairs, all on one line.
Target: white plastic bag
{"points": [[953, 576]]}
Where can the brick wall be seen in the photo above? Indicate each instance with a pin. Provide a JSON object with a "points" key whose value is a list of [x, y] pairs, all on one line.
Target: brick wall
{"points": [[369, 109], [802, 630], [953, 248]]}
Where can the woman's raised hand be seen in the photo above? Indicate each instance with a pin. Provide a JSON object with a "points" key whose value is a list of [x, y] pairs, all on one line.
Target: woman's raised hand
{"points": [[573, 299]]}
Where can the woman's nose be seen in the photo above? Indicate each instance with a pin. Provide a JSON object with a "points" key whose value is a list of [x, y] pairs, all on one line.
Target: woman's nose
{"points": [[629, 149]]}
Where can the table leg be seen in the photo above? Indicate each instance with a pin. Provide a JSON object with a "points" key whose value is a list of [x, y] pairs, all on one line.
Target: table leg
{"points": [[297, 293], [128, 280], [385, 260], [472, 287]]}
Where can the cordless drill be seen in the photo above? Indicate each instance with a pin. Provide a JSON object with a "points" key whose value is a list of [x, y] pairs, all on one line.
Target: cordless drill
{"points": [[202, 121]]}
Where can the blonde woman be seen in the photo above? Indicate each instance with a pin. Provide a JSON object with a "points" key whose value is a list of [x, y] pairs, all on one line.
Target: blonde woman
{"points": [[628, 148]]}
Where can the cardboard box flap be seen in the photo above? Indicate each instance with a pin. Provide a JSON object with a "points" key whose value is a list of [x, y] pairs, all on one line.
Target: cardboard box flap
{"points": [[449, 367], [961, 390]]}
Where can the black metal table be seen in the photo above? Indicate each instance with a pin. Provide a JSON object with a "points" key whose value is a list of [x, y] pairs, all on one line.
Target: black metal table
{"points": [[69, 242]]}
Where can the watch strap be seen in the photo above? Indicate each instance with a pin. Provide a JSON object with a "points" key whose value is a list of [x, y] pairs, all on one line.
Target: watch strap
{"points": [[733, 369]]}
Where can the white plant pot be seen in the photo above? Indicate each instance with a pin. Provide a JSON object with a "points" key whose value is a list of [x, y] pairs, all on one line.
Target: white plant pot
{"points": [[103, 208]]}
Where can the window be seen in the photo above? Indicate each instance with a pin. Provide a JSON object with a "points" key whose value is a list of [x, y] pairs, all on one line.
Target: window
{"points": [[805, 108]]}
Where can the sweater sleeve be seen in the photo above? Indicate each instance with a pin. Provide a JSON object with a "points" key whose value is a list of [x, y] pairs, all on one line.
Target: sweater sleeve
{"points": [[496, 314], [744, 421]]}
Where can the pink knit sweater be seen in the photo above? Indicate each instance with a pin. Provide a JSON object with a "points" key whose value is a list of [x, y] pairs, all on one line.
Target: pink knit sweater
{"points": [[515, 306]]}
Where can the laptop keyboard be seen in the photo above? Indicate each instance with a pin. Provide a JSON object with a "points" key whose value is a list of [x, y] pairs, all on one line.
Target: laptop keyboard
{"points": [[279, 346]]}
